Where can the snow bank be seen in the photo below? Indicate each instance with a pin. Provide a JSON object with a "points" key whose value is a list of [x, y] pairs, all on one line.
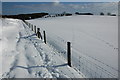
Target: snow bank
{"points": [[26, 56]]}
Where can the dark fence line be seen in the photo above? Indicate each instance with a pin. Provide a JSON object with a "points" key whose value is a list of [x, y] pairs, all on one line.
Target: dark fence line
{"points": [[84, 65]]}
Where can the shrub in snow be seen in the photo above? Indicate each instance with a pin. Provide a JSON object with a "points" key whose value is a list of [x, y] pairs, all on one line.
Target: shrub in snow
{"points": [[101, 13]]}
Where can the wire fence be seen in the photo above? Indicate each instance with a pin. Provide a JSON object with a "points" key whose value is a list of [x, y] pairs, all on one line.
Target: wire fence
{"points": [[91, 69], [58, 44], [87, 65]]}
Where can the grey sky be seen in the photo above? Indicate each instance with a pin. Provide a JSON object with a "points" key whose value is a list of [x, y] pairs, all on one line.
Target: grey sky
{"points": [[11, 8], [60, 0]]}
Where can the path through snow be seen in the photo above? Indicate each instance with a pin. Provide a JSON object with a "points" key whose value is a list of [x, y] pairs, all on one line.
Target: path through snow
{"points": [[25, 56]]}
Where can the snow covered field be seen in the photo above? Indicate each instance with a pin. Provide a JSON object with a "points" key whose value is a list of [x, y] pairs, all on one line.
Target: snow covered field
{"points": [[25, 56], [94, 42], [93, 38]]}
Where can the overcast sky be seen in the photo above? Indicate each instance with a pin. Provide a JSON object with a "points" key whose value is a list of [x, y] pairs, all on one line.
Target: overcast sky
{"points": [[11, 8], [60, 0]]}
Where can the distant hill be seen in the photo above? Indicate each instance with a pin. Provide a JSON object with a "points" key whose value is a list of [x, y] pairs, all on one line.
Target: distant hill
{"points": [[83, 13], [39, 15], [25, 16]]}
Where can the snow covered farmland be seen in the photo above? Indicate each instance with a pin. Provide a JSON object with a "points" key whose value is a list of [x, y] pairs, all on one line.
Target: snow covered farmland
{"points": [[93, 37], [94, 41]]}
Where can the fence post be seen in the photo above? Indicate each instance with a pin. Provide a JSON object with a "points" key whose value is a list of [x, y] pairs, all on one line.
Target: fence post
{"points": [[69, 53], [29, 25], [35, 29], [44, 37], [32, 27], [38, 32]]}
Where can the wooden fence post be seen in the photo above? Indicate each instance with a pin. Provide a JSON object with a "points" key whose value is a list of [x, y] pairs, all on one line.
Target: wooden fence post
{"points": [[32, 27], [35, 29], [44, 37], [38, 32], [29, 25], [69, 53]]}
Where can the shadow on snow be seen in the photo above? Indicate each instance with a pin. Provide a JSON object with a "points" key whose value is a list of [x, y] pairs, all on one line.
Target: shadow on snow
{"points": [[54, 66]]}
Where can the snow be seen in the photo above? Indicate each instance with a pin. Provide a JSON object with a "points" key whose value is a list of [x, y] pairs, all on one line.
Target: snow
{"points": [[0, 49], [94, 41], [94, 38], [26, 56]]}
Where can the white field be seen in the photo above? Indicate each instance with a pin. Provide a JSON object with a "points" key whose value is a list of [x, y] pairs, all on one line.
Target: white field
{"points": [[92, 37]]}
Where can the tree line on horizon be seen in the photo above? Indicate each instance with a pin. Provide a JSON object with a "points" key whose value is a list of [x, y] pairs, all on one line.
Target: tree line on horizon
{"points": [[45, 15]]}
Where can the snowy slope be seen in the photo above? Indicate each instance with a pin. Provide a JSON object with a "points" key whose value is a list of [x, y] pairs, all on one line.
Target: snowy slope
{"points": [[94, 42], [25, 56]]}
